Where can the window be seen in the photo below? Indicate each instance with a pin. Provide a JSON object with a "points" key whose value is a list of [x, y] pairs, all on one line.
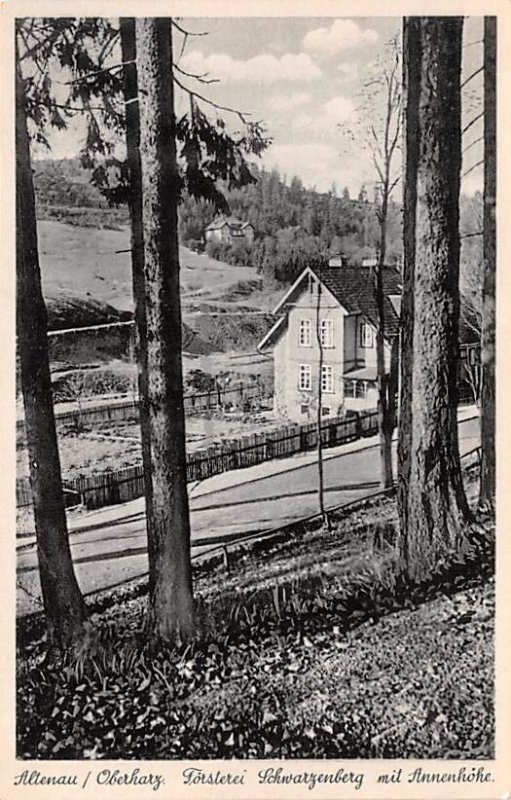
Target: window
{"points": [[471, 355], [325, 411], [304, 379], [366, 335], [326, 333], [304, 408], [304, 336], [327, 378]]}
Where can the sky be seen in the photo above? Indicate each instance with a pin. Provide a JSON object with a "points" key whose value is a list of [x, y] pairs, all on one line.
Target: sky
{"points": [[303, 77]]}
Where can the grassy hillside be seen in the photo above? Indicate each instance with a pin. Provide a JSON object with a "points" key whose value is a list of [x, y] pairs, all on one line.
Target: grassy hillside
{"points": [[67, 311], [86, 277], [96, 264]]}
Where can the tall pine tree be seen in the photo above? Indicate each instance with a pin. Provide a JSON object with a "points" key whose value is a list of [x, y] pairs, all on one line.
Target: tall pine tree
{"points": [[432, 503]]}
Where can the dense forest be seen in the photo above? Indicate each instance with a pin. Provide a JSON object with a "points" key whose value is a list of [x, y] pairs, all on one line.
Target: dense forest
{"points": [[291, 222]]}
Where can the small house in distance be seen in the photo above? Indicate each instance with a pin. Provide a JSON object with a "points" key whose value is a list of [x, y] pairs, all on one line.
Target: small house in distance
{"points": [[229, 230], [337, 301]]}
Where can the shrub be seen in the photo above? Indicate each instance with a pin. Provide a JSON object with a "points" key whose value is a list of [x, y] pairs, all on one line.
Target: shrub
{"points": [[237, 253]]}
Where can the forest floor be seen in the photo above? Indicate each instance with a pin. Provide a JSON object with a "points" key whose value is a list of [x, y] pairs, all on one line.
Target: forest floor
{"points": [[308, 649]]}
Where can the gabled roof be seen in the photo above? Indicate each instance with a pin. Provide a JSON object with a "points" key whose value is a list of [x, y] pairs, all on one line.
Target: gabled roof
{"points": [[275, 331], [353, 288], [232, 222]]}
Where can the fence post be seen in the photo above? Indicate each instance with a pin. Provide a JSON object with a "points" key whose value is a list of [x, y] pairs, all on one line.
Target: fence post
{"points": [[358, 426], [303, 438]]}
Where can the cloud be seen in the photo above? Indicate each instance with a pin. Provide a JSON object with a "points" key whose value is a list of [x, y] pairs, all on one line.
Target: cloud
{"points": [[311, 161], [347, 71], [264, 68], [289, 102], [319, 165], [339, 109], [322, 123], [343, 34]]}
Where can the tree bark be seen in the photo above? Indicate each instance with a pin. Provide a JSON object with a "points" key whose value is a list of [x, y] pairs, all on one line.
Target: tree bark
{"points": [[63, 602], [488, 456], [385, 424], [411, 94], [170, 608], [436, 506], [319, 413], [129, 54], [383, 152]]}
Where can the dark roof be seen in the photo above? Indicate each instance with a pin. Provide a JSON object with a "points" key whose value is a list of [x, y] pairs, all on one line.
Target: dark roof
{"points": [[353, 288], [232, 222]]}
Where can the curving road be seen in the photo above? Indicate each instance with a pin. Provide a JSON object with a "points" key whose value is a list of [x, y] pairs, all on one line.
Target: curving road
{"points": [[108, 546]]}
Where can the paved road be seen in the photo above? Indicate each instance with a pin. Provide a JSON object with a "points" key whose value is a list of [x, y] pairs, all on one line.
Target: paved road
{"points": [[109, 546]]}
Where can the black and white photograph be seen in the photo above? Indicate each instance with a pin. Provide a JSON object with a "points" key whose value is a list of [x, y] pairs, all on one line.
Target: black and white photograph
{"points": [[255, 399]]}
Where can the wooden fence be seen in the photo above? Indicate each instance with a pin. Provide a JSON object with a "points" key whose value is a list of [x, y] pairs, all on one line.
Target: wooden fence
{"points": [[108, 488], [128, 409]]}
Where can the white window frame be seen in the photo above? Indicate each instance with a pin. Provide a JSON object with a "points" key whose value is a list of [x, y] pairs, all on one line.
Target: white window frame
{"points": [[366, 335], [305, 333], [327, 379], [305, 378], [326, 333]]}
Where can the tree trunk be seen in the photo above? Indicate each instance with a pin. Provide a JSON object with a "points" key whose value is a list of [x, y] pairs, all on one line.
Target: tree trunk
{"points": [[63, 602], [170, 609], [129, 54], [436, 504], [488, 459], [319, 414], [411, 94], [384, 423]]}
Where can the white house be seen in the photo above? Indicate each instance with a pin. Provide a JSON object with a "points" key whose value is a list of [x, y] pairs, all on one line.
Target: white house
{"points": [[336, 304], [229, 230]]}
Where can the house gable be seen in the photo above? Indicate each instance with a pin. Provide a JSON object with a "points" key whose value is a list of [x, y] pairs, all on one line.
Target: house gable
{"points": [[296, 293], [350, 288]]}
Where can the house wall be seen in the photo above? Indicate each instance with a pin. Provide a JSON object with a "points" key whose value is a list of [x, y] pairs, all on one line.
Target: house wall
{"points": [[280, 379], [350, 341], [224, 234], [290, 400], [214, 235], [249, 233], [218, 234], [367, 403], [355, 355]]}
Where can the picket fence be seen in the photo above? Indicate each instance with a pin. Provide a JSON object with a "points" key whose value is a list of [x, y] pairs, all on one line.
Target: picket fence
{"points": [[128, 410], [108, 488]]}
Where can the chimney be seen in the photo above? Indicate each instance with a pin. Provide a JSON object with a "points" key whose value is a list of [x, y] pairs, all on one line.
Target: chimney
{"points": [[339, 260]]}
